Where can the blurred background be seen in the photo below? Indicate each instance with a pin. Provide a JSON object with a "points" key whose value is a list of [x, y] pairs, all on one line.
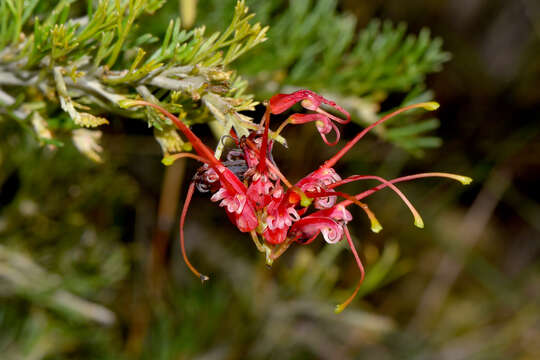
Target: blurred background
{"points": [[90, 266]]}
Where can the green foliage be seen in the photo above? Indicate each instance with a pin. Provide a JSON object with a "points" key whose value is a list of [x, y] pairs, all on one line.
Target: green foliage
{"points": [[324, 51], [61, 258], [88, 65], [313, 46]]}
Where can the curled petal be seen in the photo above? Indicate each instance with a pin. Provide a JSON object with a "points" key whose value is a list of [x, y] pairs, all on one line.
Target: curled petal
{"points": [[232, 203], [338, 213], [239, 209], [324, 127], [322, 122], [317, 182], [332, 234], [320, 177], [310, 100], [260, 191], [282, 102], [234, 154], [278, 192], [206, 179], [293, 214], [241, 202], [280, 218], [336, 140], [325, 202], [306, 229], [247, 220], [324, 199], [219, 195]]}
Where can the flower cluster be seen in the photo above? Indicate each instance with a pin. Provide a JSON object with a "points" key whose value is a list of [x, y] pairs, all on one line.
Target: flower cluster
{"points": [[261, 201]]}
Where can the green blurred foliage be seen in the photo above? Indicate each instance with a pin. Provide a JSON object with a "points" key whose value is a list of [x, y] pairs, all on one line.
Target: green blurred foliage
{"points": [[89, 58], [312, 45]]}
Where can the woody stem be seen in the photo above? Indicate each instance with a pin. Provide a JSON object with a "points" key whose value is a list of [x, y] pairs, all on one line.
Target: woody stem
{"points": [[281, 249], [257, 242]]}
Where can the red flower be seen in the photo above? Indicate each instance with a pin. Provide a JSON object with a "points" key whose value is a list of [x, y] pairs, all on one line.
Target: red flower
{"points": [[279, 217], [310, 101], [260, 200], [318, 182], [259, 191]]}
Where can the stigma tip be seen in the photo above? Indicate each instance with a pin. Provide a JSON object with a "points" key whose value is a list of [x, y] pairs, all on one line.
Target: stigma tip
{"points": [[419, 223], [127, 103], [376, 228], [431, 105], [167, 160]]}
